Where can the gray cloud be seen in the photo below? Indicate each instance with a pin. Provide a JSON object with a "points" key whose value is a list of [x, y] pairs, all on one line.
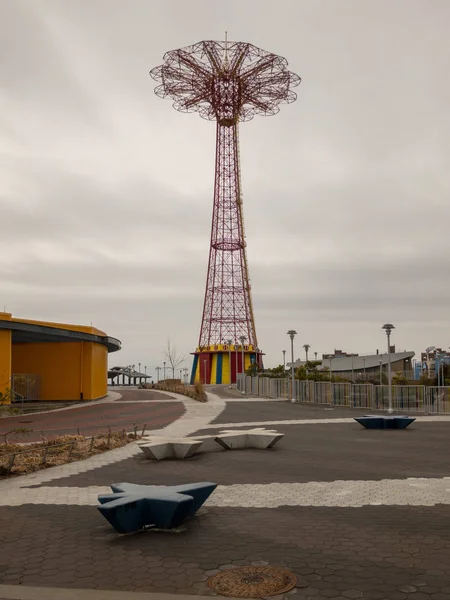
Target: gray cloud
{"points": [[106, 192]]}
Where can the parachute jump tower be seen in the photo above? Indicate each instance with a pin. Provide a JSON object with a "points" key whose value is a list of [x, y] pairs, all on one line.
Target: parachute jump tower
{"points": [[226, 82]]}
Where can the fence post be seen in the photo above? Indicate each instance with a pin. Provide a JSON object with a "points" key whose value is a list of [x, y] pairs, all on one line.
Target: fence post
{"points": [[44, 456], [11, 463]]}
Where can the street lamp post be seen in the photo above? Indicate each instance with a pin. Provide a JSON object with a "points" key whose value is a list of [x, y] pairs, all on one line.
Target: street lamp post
{"points": [[284, 361], [364, 370], [236, 347], [181, 375], [292, 333], [242, 340], [164, 369], [306, 347], [315, 355], [229, 342], [381, 372], [145, 369], [388, 327]]}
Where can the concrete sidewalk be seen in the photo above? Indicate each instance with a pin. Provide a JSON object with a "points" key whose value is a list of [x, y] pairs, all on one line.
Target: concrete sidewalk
{"points": [[20, 592]]}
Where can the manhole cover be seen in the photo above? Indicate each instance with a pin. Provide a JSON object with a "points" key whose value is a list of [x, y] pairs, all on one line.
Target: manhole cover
{"points": [[252, 582]]}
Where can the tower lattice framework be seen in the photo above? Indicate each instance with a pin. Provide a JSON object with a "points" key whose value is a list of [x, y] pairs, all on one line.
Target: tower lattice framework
{"points": [[228, 82]]}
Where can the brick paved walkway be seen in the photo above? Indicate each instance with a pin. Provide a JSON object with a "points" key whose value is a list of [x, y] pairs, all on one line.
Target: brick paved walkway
{"points": [[94, 418], [344, 516]]}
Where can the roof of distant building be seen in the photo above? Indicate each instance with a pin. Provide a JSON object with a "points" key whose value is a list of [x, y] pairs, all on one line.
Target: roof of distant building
{"points": [[358, 363]]}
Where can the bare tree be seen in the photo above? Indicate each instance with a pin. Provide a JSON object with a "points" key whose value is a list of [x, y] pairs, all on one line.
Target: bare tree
{"points": [[173, 358]]}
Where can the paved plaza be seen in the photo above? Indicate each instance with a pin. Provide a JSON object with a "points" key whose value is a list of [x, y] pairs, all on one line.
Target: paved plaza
{"points": [[354, 513], [119, 411]]}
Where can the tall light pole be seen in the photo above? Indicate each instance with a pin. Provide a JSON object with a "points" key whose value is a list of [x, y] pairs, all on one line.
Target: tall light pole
{"points": [[145, 370], [164, 369], [381, 372], [181, 375], [236, 346], [158, 369], [229, 342], [292, 333], [284, 361], [139, 368], [388, 327], [315, 355], [242, 340], [186, 370], [306, 347], [364, 369]]}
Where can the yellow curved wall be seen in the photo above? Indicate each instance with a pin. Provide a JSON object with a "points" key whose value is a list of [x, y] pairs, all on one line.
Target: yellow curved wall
{"points": [[5, 360], [67, 370]]}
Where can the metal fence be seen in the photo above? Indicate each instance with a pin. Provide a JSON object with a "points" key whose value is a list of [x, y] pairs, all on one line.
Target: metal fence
{"points": [[405, 398], [25, 386]]}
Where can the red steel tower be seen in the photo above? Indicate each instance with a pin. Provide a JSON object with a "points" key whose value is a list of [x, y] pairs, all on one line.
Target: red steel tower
{"points": [[226, 82]]}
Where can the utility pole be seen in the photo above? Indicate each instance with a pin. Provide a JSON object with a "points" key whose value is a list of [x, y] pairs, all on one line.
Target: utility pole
{"points": [[229, 342], [388, 327]]}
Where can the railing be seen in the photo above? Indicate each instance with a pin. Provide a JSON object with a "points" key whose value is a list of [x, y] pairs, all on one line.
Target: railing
{"points": [[405, 398], [25, 386]]}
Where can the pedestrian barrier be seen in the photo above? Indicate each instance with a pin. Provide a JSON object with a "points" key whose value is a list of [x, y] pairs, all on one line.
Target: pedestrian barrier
{"points": [[405, 398]]}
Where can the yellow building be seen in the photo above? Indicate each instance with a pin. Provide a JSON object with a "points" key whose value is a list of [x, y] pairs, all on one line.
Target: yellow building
{"points": [[53, 361]]}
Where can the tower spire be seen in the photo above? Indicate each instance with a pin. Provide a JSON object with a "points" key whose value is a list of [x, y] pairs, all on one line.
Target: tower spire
{"points": [[194, 78]]}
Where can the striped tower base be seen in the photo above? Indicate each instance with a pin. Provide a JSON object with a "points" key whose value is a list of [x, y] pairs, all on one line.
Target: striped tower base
{"points": [[212, 363]]}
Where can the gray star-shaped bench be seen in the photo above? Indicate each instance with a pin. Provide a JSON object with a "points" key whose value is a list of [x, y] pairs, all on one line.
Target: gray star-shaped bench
{"points": [[132, 507], [233, 439], [160, 448], [384, 422]]}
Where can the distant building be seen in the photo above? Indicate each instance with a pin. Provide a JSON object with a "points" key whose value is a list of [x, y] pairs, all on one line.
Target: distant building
{"points": [[431, 361], [366, 367], [338, 354]]}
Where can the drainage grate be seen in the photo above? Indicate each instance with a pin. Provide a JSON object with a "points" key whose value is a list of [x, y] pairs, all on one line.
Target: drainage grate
{"points": [[252, 582]]}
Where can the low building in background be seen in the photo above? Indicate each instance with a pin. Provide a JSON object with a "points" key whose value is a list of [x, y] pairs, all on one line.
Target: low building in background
{"points": [[368, 367], [432, 361], [53, 361]]}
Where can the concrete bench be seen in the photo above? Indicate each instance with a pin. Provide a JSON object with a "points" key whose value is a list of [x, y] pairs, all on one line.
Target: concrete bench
{"points": [[132, 507], [160, 448], [384, 422], [248, 438]]}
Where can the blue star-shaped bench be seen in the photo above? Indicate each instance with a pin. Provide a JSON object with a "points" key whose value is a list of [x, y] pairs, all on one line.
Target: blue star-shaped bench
{"points": [[132, 507], [384, 422]]}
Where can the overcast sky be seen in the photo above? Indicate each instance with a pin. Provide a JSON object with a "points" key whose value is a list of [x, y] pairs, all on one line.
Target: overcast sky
{"points": [[106, 191]]}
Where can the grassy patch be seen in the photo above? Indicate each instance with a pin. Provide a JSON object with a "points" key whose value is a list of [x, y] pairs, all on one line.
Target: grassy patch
{"points": [[16, 459]]}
